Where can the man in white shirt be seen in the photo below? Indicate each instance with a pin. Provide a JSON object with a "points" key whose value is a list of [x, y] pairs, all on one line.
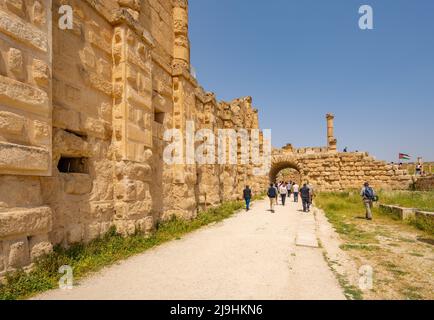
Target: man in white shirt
{"points": [[296, 190], [283, 193]]}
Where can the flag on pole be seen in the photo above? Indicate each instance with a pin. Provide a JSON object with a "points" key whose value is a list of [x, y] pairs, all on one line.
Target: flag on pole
{"points": [[404, 156]]}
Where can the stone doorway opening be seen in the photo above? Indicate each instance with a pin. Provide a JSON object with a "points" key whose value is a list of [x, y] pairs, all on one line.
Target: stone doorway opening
{"points": [[285, 171], [289, 174]]}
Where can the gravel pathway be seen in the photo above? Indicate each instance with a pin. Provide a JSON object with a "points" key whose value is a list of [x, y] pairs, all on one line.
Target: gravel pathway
{"points": [[254, 255]]}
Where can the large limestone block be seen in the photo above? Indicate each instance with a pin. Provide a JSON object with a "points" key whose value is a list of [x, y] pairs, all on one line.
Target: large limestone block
{"points": [[19, 159], [145, 225], [75, 234], [101, 211], [25, 222], [18, 254], [77, 184], [70, 145], [11, 123], [23, 96], [39, 246], [22, 31], [19, 192]]}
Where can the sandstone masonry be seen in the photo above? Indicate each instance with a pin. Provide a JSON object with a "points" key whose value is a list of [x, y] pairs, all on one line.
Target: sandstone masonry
{"points": [[82, 117]]}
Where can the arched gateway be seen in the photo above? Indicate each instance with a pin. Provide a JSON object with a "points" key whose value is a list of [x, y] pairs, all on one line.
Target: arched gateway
{"points": [[327, 169]]}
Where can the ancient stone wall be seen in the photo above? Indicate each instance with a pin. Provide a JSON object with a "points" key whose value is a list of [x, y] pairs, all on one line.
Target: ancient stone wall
{"points": [[337, 171], [424, 183], [82, 119], [83, 116]]}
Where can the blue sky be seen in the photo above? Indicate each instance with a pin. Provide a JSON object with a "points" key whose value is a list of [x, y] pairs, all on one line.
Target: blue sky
{"points": [[302, 59]]}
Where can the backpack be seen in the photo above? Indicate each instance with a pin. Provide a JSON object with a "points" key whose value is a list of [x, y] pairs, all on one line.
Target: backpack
{"points": [[272, 192], [369, 193]]}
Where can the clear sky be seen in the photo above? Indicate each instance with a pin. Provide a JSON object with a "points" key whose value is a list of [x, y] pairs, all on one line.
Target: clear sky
{"points": [[300, 59]]}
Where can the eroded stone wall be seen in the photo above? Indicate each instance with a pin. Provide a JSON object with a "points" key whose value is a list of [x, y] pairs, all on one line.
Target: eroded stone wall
{"points": [[337, 171], [82, 118]]}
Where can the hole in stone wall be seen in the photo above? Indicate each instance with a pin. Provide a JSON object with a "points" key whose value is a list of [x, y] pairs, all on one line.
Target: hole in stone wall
{"points": [[73, 165], [78, 134], [159, 117]]}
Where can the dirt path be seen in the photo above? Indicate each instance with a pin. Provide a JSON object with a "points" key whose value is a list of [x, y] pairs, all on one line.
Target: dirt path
{"points": [[255, 255]]}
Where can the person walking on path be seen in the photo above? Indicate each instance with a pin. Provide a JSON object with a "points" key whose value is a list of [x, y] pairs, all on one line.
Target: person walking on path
{"points": [[289, 188], [312, 192], [247, 195], [278, 192], [272, 194], [295, 190], [305, 197], [283, 193], [368, 196]]}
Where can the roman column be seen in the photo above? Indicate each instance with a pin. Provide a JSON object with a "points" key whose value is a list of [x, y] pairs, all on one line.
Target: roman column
{"points": [[331, 140], [181, 47]]}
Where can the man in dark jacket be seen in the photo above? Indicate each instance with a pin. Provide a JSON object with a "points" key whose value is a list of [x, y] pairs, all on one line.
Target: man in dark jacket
{"points": [[305, 197], [272, 195], [247, 195]]}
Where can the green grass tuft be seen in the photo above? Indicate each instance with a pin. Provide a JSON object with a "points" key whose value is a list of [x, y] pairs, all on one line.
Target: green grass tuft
{"points": [[410, 199]]}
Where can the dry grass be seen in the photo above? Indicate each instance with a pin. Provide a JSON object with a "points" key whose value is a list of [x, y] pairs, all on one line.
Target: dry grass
{"points": [[401, 255]]}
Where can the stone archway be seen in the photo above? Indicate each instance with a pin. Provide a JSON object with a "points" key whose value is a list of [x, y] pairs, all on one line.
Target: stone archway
{"points": [[282, 162]]}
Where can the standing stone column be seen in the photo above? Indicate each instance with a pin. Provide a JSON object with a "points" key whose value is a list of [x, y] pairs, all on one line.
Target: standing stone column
{"points": [[331, 140], [181, 47]]}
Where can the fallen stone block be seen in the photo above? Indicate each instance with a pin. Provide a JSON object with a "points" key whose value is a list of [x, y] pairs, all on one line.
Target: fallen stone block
{"points": [[400, 212]]}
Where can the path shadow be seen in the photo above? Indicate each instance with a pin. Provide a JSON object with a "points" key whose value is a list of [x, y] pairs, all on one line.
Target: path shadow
{"points": [[426, 240]]}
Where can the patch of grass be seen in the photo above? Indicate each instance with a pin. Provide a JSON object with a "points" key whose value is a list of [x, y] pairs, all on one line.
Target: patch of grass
{"points": [[371, 242], [91, 257], [417, 254], [351, 292], [411, 293], [424, 224], [357, 246], [410, 199], [342, 210]]}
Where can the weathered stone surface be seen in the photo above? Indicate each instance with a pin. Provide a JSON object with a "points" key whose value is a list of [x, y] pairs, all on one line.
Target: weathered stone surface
{"points": [[23, 96], [11, 123], [75, 234], [18, 254], [400, 212], [77, 184], [39, 246], [15, 61], [25, 222], [41, 72], [70, 145], [14, 157], [23, 32]]}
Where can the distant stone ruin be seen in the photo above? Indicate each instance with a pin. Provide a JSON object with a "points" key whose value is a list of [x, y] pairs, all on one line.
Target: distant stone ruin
{"points": [[329, 170]]}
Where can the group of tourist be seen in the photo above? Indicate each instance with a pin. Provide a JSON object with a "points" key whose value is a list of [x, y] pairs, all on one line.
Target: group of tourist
{"points": [[284, 190]]}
